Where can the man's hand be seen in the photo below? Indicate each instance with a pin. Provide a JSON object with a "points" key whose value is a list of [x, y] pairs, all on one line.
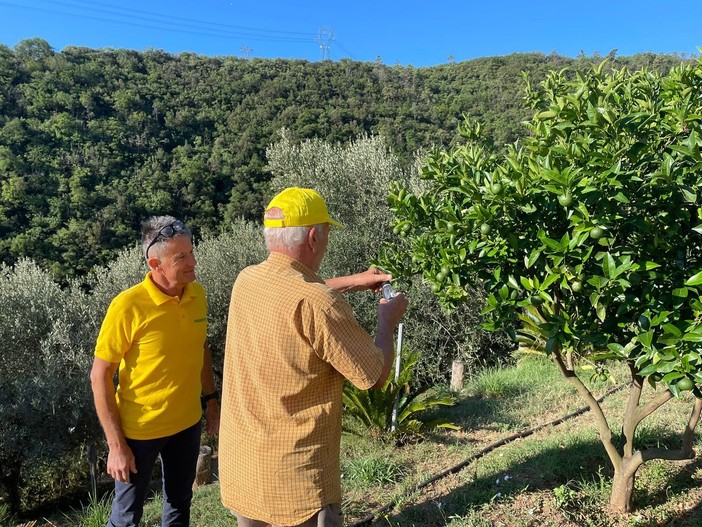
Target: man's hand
{"points": [[212, 418], [120, 462], [371, 279], [390, 312]]}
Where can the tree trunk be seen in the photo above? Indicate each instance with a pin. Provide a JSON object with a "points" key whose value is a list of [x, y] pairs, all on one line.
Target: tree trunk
{"points": [[10, 483], [623, 482]]}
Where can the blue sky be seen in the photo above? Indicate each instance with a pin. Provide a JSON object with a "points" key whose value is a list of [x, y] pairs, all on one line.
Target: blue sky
{"points": [[420, 33]]}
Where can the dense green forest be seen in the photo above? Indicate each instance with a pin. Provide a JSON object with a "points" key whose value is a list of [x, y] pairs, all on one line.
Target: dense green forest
{"points": [[92, 141]]}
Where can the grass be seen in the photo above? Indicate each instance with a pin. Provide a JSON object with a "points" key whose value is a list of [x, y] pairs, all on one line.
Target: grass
{"points": [[95, 514], [559, 476], [372, 470], [5, 516]]}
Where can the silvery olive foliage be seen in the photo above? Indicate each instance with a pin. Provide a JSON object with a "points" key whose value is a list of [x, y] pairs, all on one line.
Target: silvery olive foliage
{"points": [[353, 177], [45, 398], [48, 335], [220, 258], [30, 300]]}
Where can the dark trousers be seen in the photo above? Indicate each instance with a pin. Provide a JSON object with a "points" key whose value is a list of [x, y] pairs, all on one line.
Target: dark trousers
{"points": [[179, 454]]}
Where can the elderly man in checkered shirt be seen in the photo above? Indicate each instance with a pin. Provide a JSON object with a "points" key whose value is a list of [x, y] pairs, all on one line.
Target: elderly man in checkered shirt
{"points": [[292, 340]]}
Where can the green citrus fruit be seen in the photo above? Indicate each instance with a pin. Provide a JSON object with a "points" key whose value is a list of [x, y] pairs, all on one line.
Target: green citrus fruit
{"points": [[576, 287], [565, 199], [685, 384], [485, 228], [435, 288], [596, 233], [406, 227], [396, 230], [496, 188]]}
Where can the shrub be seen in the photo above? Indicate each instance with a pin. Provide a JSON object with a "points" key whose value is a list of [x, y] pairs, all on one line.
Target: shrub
{"points": [[374, 408], [220, 259]]}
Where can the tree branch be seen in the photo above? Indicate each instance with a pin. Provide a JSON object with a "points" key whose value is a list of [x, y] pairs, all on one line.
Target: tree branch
{"points": [[678, 454], [631, 420], [653, 405], [689, 433], [602, 424]]}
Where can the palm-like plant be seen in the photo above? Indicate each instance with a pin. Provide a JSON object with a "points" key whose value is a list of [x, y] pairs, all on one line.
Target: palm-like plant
{"points": [[374, 407]]}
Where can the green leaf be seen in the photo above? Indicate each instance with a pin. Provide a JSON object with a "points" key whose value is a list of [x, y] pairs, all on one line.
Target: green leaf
{"points": [[645, 338], [617, 348], [513, 282], [689, 196], [533, 257], [621, 198], [680, 293], [609, 266], [695, 280], [604, 355], [693, 336], [648, 266], [552, 244], [601, 311], [549, 280], [526, 283], [648, 370], [672, 330]]}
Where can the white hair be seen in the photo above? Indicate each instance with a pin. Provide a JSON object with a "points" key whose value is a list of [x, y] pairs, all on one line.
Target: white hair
{"points": [[289, 237]]}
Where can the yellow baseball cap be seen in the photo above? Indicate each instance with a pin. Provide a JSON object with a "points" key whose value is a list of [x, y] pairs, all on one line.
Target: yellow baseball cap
{"points": [[301, 207]]}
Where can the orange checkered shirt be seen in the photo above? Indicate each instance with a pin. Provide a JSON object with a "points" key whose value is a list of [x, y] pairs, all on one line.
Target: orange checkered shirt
{"points": [[291, 341]]}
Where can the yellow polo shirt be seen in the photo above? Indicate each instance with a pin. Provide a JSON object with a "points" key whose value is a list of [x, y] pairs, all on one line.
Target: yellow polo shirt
{"points": [[291, 341], [159, 342]]}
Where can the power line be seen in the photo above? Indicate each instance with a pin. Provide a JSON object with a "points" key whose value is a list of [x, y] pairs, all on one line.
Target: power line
{"points": [[151, 14], [102, 12], [342, 48], [166, 26]]}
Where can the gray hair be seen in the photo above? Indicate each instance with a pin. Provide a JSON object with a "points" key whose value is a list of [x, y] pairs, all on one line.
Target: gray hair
{"points": [[288, 237], [152, 240]]}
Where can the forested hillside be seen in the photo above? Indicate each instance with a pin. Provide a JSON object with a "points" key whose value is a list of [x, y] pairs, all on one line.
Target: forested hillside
{"points": [[92, 141]]}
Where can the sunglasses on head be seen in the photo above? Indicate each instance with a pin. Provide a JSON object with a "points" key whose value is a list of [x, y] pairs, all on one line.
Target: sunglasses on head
{"points": [[166, 232]]}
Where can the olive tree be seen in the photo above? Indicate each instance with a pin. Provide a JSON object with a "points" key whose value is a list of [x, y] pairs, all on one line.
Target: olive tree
{"points": [[354, 178], [585, 238]]}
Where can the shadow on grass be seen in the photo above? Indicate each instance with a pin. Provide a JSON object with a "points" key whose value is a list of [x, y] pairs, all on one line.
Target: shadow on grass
{"points": [[690, 518], [584, 464], [475, 413]]}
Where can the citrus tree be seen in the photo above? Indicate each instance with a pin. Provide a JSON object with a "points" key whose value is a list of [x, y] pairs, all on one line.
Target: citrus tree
{"points": [[585, 238]]}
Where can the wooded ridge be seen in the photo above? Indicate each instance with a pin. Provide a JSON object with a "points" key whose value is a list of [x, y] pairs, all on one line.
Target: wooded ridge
{"points": [[92, 141]]}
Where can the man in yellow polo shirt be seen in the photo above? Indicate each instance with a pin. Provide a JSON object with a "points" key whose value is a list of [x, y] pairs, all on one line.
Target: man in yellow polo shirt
{"points": [[155, 334], [291, 342]]}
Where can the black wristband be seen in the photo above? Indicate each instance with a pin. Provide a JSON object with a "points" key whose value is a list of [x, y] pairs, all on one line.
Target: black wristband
{"points": [[209, 396]]}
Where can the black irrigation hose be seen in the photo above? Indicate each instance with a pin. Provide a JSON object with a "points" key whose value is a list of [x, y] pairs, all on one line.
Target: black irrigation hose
{"points": [[525, 433]]}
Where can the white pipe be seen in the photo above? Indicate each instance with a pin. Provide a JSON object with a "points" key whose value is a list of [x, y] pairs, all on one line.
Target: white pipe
{"points": [[398, 367]]}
